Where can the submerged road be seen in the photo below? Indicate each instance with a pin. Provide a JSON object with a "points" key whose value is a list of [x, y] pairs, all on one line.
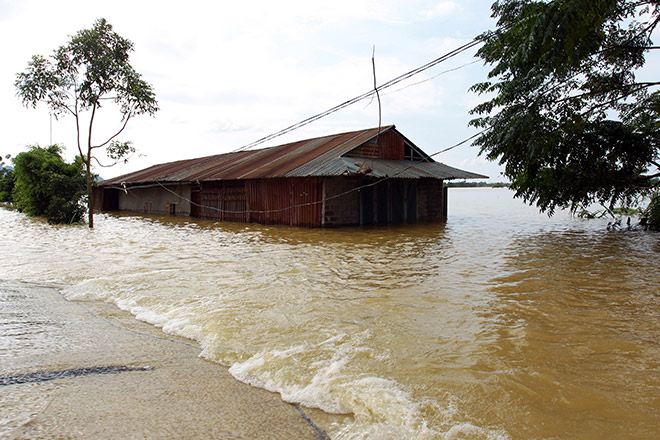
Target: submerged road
{"points": [[89, 370]]}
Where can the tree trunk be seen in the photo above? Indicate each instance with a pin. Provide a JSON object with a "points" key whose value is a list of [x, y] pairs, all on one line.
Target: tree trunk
{"points": [[90, 193]]}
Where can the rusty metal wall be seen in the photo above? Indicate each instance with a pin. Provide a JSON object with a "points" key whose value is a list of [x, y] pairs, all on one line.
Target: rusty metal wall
{"points": [[391, 146], [209, 200], [234, 201], [368, 149], [285, 201]]}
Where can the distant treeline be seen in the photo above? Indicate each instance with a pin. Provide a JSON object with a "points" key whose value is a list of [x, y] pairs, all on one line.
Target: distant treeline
{"points": [[476, 185]]}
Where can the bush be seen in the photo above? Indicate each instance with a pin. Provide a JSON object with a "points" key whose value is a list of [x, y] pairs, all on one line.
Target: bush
{"points": [[48, 186], [7, 180]]}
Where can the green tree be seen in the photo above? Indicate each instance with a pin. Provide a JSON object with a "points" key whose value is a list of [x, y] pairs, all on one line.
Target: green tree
{"points": [[6, 181], [91, 70], [565, 114], [652, 212], [48, 186]]}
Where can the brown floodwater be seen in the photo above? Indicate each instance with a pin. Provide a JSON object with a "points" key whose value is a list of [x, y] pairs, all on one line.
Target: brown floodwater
{"points": [[498, 323]]}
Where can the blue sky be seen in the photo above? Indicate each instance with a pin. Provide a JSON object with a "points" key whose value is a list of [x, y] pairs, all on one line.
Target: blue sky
{"points": [[228, 73]]}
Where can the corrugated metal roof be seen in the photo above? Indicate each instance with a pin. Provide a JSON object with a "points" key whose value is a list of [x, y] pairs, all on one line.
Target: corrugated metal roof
{"points": [[322, 156]]}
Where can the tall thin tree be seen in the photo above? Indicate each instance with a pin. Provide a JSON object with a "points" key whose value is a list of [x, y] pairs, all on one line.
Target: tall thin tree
{"points": [[92, 69]]}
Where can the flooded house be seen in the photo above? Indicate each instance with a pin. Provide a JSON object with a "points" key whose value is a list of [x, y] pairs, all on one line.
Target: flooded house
{"points": [[370, 176]]}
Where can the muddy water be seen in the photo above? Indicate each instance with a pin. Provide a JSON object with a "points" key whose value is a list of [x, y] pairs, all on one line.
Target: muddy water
{"points": [[499, 323]]}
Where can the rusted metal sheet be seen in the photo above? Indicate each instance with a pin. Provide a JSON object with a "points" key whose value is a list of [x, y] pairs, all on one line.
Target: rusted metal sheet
{"points": [[210, 200], [368, 149], [286, 201], [390, 146], [406, 169], [387, 145], [265, 163], [234, 201], [382, 151]]}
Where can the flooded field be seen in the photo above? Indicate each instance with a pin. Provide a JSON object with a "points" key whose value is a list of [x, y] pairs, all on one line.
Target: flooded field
{"points": [[500, 323]]}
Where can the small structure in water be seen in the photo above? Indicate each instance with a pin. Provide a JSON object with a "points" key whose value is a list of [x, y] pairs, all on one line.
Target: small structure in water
{"points": [[370, 176]]}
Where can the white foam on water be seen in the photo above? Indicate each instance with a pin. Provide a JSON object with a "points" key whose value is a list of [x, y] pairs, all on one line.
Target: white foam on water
{"points": [[86, 290], [381, 407], [175, 321], [327, 375], [332, 375]]}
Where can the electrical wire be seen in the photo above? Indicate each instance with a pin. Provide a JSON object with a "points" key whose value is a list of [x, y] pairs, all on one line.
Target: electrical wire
{"points": [[301, 205], [373, 92], [474, 42]]}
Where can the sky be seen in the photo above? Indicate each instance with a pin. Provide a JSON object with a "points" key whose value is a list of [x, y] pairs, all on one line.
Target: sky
{"points": [[227, 73]]}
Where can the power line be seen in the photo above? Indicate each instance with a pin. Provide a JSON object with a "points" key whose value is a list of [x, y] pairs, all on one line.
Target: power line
{"points": [[432, 78], [301, 205], [474, 42], [464, 141], [373, 92]]}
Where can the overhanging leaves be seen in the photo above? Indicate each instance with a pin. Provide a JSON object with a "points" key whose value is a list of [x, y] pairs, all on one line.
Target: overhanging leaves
{"points": [[569, 121]]}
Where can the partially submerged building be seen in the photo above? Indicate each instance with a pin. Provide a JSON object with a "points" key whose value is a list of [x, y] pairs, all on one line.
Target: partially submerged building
{"points": [[371, 176]]}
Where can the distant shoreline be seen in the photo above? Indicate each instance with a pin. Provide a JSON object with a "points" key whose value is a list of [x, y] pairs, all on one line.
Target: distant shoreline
{"points": [[476, 185]]}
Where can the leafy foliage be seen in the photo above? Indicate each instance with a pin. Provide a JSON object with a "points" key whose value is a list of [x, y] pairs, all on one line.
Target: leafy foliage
{"points": [[82, 76], [652, 212], [118, 150], [48, 186], [7, 180], [568, 120]]}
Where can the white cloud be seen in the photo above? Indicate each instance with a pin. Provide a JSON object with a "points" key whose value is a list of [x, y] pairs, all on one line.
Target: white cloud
{"points": [[227, 73], [441, 10]]}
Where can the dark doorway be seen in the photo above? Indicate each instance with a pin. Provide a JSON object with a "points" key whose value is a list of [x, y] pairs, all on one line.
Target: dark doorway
{"points": [[382, 203], [196, 201], [367, 205], [110, 199], [411, 202], [397, 201]]}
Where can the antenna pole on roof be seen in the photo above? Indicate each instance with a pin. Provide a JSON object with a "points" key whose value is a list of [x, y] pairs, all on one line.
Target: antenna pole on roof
{"points": [[373, 65]]}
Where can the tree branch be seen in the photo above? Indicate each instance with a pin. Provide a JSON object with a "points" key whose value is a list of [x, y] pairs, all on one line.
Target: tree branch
{"points": [[108, 166], [116, 134], [76, 116], [612, 101], [635, 87], [89, 138]]}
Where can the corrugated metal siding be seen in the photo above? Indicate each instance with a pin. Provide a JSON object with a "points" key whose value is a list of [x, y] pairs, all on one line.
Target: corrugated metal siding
{"points": [[354, 153], [293, 202], [400, 169], [266, 163], [210, 200], [368, 149], [234, 201], [282, 161], [390, 146]]}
